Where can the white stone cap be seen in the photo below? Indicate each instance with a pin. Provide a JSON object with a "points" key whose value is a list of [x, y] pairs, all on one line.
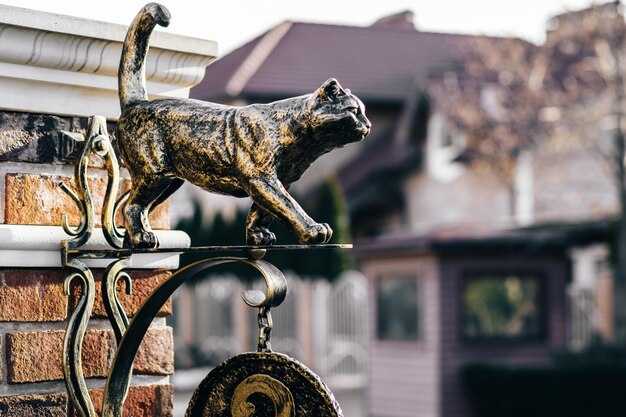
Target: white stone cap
{"points": [[40, 246], [78, 26], [58, 64]]}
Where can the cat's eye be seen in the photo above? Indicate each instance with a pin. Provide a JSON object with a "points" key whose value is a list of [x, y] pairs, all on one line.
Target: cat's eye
{"points": [[354, 110]]}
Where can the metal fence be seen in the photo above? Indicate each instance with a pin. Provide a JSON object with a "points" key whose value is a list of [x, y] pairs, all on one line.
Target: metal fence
{"points": [[583, 317], [340, 329], [320, 323]]}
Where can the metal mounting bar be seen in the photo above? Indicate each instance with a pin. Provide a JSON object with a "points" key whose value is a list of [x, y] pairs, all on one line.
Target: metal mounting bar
{"points": [[119, 253]]}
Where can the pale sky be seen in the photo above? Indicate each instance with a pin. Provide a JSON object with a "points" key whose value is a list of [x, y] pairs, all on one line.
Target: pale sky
{"points": [[233, 22]]}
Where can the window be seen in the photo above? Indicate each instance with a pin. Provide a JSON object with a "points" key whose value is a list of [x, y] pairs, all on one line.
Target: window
{"points": [[524, 188], [397, 309], [502, 307], [444, 145]]}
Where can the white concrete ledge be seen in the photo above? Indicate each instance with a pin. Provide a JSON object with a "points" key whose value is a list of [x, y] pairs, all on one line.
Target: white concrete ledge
{"points": [[70, 63], [40, 246], [71, 25]]}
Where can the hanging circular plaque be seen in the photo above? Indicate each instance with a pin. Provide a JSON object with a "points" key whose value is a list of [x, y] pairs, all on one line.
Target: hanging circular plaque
{"points": [[262, 384]]}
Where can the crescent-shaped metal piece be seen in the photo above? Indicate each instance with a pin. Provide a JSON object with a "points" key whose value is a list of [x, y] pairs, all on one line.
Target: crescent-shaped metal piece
{"points": [[109, 209], [116, 208], [115, 311], [276, 290]]}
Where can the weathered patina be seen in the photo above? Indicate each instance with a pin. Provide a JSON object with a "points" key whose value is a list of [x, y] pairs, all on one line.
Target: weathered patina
{"points": [[256, 150], [263, 384]]}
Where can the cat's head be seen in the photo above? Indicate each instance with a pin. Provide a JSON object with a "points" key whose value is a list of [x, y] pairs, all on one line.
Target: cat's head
{"points": [[337, 115]]}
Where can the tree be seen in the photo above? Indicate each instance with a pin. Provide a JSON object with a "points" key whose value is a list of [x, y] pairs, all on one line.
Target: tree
{"points": [[566, 89], [330, 207], [583, 59], [489, 94]]}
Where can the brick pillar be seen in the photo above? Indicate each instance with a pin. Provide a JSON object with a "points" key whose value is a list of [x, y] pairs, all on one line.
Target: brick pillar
{"points": [[55, 72], [33, 306]]}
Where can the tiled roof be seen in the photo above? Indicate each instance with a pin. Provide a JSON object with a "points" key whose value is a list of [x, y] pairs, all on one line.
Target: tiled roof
{"points": [[376, 63], [217, 75]]}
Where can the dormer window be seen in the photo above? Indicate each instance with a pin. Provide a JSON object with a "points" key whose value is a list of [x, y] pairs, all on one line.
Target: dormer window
{"points": [[444, 145]]}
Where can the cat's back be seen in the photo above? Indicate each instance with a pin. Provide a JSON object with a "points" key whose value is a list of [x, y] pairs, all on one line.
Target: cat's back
{"points": [[160, 126], [179, 110]]}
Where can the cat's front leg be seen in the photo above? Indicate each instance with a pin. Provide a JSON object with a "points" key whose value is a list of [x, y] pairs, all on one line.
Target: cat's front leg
{"points": [[318, 233], [137, 233], [257, 223], [144, 194], [272, 197]]}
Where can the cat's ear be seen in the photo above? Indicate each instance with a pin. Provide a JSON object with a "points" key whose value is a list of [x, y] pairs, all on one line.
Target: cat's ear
{"points": [[330, 90]]}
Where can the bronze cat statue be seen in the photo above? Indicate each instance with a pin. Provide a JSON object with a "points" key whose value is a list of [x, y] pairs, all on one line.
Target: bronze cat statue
{"points": [[256, 150]]}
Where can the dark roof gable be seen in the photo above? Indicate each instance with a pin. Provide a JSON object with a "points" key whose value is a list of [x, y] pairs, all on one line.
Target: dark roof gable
{"points": [[378, 63]]}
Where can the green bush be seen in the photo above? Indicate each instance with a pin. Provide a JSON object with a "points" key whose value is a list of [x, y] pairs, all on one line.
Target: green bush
{"points": [[597, 354], [555, 391]]}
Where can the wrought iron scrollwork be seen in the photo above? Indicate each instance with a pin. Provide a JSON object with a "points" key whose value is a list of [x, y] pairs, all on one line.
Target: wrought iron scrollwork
{"points": [[121, 371], [115, 311], [113, 235], [82, 197], [98, 143], [75, 333]]}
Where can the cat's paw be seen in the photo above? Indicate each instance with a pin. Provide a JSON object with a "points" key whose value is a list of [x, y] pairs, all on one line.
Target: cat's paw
{"points": [[317, 233], [141, 240], [260, 236]]}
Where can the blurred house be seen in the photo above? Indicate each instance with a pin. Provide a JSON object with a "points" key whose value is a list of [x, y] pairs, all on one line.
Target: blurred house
{"points": [[481, 205]]}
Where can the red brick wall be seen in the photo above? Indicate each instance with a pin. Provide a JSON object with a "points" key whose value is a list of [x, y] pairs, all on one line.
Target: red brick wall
{"points": [[34, 308]]}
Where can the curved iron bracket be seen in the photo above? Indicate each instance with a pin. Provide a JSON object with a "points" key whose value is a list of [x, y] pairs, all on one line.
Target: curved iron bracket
{"points": [[121, 371], [75, 333], [98, 143], [115, 311]]}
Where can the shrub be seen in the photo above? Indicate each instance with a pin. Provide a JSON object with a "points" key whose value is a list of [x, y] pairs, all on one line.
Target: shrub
{"points": [[571, 391]]}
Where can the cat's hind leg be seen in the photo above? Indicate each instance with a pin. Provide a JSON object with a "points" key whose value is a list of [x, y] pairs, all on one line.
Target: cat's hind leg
{"points": [[144, 193], [257, 223], [173, 186]]}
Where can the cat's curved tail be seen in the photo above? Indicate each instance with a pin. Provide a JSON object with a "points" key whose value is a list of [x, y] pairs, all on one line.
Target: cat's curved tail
{"points": [[132, 71]]}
